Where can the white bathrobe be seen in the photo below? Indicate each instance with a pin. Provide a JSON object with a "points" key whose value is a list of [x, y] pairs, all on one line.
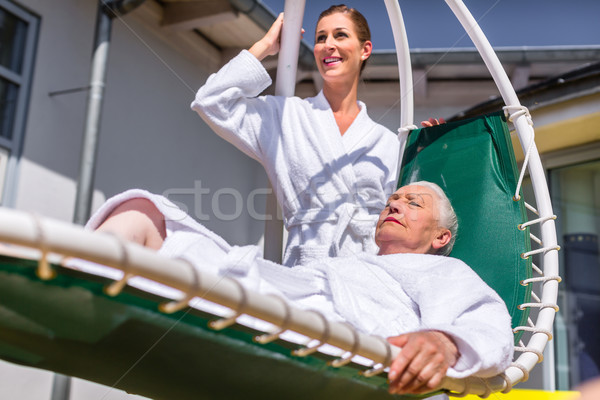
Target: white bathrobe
{"points": [[379, 295], [331, 187]]}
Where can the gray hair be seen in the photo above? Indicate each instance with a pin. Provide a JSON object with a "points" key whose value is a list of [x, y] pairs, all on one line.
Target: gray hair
{"points": [[448, 217]]}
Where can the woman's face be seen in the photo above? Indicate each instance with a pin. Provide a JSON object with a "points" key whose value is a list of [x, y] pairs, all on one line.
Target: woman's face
{"points": [[409, 223], [338, 52]]}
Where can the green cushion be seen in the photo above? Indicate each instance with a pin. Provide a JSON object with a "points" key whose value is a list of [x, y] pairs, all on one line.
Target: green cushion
{"points": [[70, 326], [473, 161]]}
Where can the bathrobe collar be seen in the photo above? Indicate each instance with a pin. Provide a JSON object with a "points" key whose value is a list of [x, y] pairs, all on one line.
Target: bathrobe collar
{"points": [[355, 132]]}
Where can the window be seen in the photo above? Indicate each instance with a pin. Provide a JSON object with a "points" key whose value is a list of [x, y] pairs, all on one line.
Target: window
{"points": [[575, 191], [18, 32]]}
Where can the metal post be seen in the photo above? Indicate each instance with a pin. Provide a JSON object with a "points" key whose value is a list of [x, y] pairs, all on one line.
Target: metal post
{"points": [[61, 387], [285, 84], [404, 75]]}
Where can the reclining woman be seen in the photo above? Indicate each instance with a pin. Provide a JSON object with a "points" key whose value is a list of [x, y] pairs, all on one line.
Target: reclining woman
{"points": [[449, 321]]}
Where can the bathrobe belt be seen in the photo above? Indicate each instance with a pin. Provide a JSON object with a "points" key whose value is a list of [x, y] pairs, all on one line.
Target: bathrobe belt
{"points": [[347, 217]]}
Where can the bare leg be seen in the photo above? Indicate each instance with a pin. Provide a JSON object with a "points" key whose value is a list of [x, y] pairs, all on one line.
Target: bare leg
{"points": [[137, 220]]}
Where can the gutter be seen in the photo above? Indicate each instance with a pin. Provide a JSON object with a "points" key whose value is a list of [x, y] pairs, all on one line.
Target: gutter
{"points": [[470, 55], [107, 11]]}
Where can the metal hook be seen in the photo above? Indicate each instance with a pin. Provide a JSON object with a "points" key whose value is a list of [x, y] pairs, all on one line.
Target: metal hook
{"points": [[269, 337], [305, 351], [223, 323]]}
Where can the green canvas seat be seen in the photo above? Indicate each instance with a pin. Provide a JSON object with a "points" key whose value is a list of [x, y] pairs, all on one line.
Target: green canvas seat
{"points": [[69, 325], [473, 161]]}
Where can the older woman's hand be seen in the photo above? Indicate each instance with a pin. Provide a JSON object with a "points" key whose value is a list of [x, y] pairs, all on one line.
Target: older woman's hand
{"points": [[423, 361], [432, 122]]}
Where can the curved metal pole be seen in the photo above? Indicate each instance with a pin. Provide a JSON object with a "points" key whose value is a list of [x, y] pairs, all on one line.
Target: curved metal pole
{"points": [[285, 84], [404, 74]]}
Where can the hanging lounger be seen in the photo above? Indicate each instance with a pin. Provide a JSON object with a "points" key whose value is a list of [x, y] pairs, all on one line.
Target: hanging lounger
{"points": [[69, 322], [70, 325]]}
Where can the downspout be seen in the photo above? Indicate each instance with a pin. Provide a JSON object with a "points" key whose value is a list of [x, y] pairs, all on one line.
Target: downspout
{"points": [[107, 11]]}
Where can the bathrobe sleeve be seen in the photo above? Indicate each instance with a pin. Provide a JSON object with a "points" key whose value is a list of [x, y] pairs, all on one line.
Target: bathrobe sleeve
{"points": [[453, 299], [228, 103], [400, 293]]}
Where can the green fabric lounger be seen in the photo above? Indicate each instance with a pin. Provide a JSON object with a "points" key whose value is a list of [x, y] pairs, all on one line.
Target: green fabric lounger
{"points": [[69, 325], [473, 161]]}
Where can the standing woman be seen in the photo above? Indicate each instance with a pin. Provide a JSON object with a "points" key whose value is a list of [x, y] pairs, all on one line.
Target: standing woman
{"points": [[331, 165]]}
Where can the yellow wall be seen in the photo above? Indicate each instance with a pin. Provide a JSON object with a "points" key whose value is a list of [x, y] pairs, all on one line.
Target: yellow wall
{"points": [[528, 394], [562, 134]]}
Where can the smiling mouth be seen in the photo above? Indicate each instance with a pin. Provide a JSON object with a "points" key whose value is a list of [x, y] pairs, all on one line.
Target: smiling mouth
{"points": [[332, 60]]}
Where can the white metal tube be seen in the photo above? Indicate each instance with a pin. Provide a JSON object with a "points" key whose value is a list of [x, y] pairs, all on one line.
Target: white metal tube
{"points": [[404, 72], [287, 62], [285, 84], [404, 64]]}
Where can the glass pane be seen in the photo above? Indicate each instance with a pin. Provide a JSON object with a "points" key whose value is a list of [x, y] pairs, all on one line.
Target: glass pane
{"points": [[576, 197], [8, 105], [12, 37]]}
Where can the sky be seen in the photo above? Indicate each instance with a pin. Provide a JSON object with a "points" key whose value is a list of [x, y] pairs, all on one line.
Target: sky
{"points": [[506, 23]]}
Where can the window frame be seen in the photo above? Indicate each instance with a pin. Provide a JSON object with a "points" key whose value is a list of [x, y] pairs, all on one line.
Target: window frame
{"points": [[23, 81]]}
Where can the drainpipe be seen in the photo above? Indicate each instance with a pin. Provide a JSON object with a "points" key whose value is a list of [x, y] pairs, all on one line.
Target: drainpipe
{"points": [[107, 11]]}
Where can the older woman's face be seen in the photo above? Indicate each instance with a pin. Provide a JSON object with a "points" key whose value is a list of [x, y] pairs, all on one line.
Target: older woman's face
{"points": [[410, 222], [338, 52]]}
